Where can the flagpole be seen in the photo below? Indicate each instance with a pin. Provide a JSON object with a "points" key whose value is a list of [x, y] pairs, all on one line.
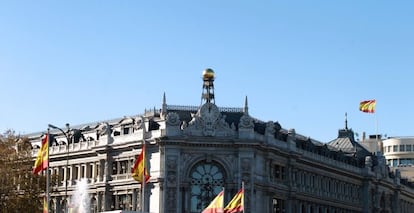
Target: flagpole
{"points": [[47, 171], [143, 178], [376, 134], [376, 129], [222, 202], [243, 196]]}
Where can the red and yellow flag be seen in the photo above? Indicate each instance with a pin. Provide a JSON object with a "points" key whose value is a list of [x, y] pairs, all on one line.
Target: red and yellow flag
{"points": [[42, 156], [139, 170], [45, 205], [216, 206], [367, 106], [236, 204]]}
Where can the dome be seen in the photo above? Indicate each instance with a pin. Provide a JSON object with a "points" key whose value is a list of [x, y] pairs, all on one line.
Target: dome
{"points": [[208, 74]]}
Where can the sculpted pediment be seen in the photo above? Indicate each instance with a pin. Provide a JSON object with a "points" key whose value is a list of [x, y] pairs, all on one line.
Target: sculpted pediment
{"points": [[208, 121]]}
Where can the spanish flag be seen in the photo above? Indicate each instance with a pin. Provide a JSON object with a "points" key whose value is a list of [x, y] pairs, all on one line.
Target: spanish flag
{"points": [[42, 156], [367, 106], [216, 206], [45, 205], [236, 204], [139, 170]]}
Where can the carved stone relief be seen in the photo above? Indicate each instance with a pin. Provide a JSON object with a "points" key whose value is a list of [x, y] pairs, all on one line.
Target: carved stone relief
{"points": [[173, 119], [246, 122], [139, 123], [208, 121], [245, 164], [270, 128], [246, 178], [171, 180], [104, 129]]}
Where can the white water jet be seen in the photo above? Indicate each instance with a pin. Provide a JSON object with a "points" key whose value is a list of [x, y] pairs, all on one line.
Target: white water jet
{"points": [[80, 201]]}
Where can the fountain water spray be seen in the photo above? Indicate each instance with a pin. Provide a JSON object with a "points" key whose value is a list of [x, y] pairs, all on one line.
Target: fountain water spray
{"points": [[80, 201]]}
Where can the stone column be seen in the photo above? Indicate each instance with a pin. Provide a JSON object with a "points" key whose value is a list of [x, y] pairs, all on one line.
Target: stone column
{"points": [[65, 175], [58, 207], [79, 171], [93, 175], [101, 170], [99, 201], [134, 200], [88, 173], [116, 201], [96, 171]]}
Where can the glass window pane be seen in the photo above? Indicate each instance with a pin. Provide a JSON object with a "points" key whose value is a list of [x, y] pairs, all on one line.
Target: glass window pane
{"points": [[207, 180], [395, 162], [395, 148]]}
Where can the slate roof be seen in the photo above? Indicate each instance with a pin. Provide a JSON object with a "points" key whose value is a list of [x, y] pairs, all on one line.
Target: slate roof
{"points": [[347, 144]]}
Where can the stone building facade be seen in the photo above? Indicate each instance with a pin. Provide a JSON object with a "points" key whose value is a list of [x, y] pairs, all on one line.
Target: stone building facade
{"points": [[195, 151]]}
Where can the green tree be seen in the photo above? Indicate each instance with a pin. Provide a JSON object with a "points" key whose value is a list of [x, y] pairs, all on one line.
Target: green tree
{"points": [[20, 190]]}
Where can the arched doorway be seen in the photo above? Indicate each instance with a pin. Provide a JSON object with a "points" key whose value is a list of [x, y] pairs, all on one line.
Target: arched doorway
{"points": [[207, 180]]}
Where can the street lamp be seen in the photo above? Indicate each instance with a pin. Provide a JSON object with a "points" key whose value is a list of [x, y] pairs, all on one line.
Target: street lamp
{"points": [[68, 139]]}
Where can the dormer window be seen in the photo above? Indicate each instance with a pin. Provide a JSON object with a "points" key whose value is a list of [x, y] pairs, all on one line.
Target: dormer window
{"points": [[126, 130]]}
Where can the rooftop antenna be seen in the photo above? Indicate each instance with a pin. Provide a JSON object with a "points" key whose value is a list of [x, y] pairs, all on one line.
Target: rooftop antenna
{"points": [[346, 121]]}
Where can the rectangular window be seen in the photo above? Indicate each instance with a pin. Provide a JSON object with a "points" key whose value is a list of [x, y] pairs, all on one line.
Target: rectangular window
{"points": [[408, 148], [83, 168], [395, 162], [402, 148], [124, 167], [68, 177], [89, 172], [395, 148], [114, 168], [278, 172], [277, 206], [61, 173], [75, 174], [389, 148]]}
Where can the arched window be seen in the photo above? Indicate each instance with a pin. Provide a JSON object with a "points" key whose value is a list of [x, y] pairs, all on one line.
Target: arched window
{"points": [[207, 180]]}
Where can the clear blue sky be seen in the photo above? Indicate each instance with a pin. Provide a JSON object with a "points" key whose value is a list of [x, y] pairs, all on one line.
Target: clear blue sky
{"points": [[301, 63]]}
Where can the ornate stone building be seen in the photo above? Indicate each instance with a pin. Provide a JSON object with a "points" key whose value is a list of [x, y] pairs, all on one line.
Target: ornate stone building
{"points": [[195, 151]]}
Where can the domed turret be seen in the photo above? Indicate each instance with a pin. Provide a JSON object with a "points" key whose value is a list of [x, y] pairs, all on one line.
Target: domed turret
{"points": [[208, 74], [208, 86]]}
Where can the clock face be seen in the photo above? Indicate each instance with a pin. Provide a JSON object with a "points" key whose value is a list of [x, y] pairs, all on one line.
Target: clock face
{"points": [[209, 110]]}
